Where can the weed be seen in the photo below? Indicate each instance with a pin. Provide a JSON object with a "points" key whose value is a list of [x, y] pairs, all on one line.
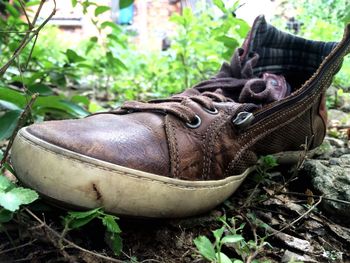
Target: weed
{"points": [[231, 236], [76, 220], [12, 197]]}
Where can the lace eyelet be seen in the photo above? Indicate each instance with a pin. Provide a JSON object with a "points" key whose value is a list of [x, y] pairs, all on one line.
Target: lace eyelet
{"points": [[243, 119], [213, 111], [195, 124]]}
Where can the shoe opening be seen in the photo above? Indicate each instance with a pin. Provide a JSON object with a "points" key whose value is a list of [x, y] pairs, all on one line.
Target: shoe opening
{"points": [[284, 54]]}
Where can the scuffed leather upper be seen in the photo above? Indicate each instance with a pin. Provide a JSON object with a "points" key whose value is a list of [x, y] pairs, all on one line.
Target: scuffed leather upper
{"points": [[113, 138], [156, 139]]}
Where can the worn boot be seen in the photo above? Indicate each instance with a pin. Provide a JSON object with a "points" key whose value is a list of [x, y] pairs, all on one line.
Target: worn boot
{"points": [[184, 155]]}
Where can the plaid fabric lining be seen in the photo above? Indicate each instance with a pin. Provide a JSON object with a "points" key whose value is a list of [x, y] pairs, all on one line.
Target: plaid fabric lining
{"points": [[280, 51]]}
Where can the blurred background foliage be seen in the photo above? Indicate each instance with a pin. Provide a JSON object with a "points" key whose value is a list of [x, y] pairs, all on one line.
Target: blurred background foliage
{"points": [[101, 72]]}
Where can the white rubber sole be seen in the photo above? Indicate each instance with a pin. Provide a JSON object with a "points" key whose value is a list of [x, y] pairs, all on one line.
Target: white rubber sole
{"points": [[82, 181]]}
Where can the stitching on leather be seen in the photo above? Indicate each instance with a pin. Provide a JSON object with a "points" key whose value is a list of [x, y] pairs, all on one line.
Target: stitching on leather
{"points": [[322, 83], [262, 126], [213, 137], [176, 171], [173, 149], [169, 138], [208, 135], [125, 173]]}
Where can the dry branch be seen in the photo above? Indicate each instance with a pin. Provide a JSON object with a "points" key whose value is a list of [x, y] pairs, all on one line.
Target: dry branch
{"points": [[68, 242], [29, 35]]}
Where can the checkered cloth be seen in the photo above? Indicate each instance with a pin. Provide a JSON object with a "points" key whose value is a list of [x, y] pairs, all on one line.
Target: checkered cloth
{"points": [[281, 52]]}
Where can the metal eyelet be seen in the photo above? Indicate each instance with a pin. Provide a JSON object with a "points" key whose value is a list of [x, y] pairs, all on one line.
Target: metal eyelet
{"points": [[195, 124], [213, 111], [243, 119]]}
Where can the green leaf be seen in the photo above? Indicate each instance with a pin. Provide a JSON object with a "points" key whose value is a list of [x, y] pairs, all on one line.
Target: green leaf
{"points": [[115, 242], [8, 105], [218, 233], [80, 99], [73, 57], [40, 88], [111, 224], [205, 247], [340, 92], [5, 184], [112, 25], [8, 123], [91, 44], [12, 10], [12, 199], [45, 104], [115, 62], [84, 214], [228, 42], [1, 154], [94, 107], [74, 3], [57, 103], [220, 4], [346, 17], [223, 258], [5, 216], [76, 220], [79, 222], [13, 96], [125, 3], [231, 239], [101, 9], [32, 3], [269, 161], [242, 27]]}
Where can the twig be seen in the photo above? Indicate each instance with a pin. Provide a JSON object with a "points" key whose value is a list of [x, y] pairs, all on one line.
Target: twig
{"points": [[324, 198], [28, 37], [259, 245], [31, 51], [298, 219], [300, 163], [70, 243], [26, 15], [39, 10], [17, 247], [20, 123], [247, 202]]}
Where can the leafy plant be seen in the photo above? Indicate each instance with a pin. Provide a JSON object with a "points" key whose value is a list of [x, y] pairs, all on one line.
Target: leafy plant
{"points": [[265, 165], [12, 197], [231, 236], [201, 42], [76, 220], [212, 252]]}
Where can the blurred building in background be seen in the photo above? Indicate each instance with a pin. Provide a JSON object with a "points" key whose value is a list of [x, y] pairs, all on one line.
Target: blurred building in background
{"points": [[148, 19]]}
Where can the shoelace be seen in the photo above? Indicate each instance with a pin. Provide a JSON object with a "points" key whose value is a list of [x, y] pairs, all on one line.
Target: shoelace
{"points": [[234, 83]]}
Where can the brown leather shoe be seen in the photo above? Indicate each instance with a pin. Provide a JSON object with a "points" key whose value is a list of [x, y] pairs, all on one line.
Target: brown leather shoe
{"points": [[186, 154]]}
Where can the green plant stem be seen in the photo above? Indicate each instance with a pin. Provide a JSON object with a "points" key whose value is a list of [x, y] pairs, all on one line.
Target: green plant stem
{"points": [[20, 123]]}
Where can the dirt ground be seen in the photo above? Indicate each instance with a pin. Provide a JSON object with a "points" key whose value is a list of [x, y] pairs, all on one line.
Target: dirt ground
{"points": [[282, 202]]}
